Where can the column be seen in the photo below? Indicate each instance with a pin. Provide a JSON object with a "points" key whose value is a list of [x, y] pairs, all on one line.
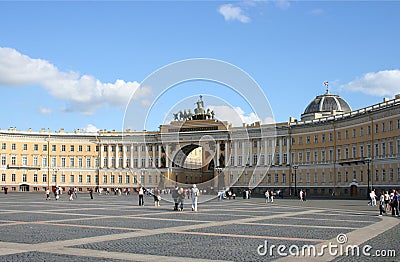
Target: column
{"points": [[280, 150], [243, 155], [101, 160], [265, 151], [131, 163], [218, 153], [116, 163], [227, 154], [146, 151], [108, 156], [123, 156], [251, 153], [159, 155], [154, 156], [258, 152], [167, 156], [139, 156], [236, 153]]}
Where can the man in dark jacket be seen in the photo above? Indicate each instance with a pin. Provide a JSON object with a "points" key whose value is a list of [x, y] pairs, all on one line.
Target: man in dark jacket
{"points": [[175, 197]]}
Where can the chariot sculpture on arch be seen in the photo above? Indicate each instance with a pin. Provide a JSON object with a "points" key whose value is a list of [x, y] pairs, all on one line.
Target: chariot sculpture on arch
{"points": [[200, 113]]}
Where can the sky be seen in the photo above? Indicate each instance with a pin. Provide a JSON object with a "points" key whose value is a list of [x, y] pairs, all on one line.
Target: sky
{"points": [[79, 65]]}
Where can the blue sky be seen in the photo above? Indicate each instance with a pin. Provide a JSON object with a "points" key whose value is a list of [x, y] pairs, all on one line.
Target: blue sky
{"points": [[74, 65]]}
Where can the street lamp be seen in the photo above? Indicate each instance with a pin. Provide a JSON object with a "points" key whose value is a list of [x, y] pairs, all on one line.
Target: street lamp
{"points": [[295, 179], [219, 171], [368, 160]]}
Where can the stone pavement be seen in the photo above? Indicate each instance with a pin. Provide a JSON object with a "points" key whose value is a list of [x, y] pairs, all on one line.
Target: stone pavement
{"points": [[115, 228]]}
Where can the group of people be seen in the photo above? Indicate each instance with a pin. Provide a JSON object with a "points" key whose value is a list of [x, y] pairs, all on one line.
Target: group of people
{"points": [[387, 201], [178, 195]]}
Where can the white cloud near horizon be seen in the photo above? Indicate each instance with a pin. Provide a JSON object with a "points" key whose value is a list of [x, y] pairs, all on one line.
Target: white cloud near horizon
{"points": [[382, 83], [234, 115], [231, 13], [91, 129], [84, 93]]}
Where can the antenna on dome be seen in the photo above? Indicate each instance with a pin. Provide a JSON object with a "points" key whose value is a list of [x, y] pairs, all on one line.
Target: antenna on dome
{"points": [[327, 87]]}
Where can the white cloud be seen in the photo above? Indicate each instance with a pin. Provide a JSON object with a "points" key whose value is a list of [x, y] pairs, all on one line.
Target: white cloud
{"points": [[44, 110], [91, 128], [84, 93], [231, 12], [382, 83], [234, 115], [282, 4]]}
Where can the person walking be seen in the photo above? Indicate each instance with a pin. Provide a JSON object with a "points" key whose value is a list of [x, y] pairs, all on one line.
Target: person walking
{"points": [[141, 196], [194, 195], [382, 203], [47, 194], [301, 195], [175, 197], [91, 193], [395, 204], [181, 198], [266, 196], [372, 196]]}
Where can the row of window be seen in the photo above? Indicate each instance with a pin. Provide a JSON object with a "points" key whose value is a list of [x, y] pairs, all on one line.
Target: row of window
{"points": [[53, 147], [44, 162], [383, 176], [88, 178]]}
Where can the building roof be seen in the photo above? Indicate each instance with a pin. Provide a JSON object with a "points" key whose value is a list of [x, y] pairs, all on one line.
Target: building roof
{"points": [[325, 105]]}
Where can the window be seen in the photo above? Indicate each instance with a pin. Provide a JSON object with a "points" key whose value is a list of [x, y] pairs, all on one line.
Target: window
{"points": [[71, 148], [361, 175], [361, 131], [361, 151], [62, 148], [369, 130], [354, 133], [354, 153], [63, 161], [105, 179], [323, 177], [112, 179], [307, 177], [119, 179], [80, 178], [87, 148], [3, 146], [36, 161], [383, 175], [24, 160], [44, 147], [88, 161], [346, 134], [53, 161], [255, 159], [53, 148], [13, 160], [240, 160], [35, 178], [44, 161], [391, 175], [300, 140], [71, 161], [80, 162], [339, 136], [315, 177], [3, 160], [35, 147], [53, 178], [13, 146], [88, 179], [63, 178], [276, 178], [383, 127], [44, 178], [330, 137], [323, 138], [283, 178], [3, 177], [339, 177], [127, 179], [376, 175], [308, 139], [346, 176], [376, 128], [80, 148]]}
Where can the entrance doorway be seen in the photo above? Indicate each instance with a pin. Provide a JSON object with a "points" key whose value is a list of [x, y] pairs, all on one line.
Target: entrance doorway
{"points": [[24, 188]]}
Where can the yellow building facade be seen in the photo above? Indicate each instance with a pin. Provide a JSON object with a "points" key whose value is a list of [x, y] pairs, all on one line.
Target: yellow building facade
{"points": [[331, 151]]}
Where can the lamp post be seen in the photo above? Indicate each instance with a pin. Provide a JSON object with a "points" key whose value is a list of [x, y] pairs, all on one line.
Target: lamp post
{"points": [[368, 160], [295, 179], [219, 171], [48, 162]]}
